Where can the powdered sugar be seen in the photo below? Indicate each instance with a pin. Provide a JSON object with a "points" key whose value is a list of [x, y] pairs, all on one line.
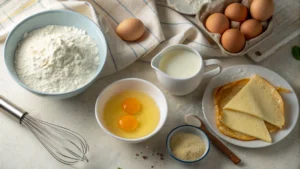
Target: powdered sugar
{"points": [[56, 59]]}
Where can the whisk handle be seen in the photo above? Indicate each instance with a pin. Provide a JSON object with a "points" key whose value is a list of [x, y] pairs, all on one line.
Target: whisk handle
{"points": [[11, 108]]}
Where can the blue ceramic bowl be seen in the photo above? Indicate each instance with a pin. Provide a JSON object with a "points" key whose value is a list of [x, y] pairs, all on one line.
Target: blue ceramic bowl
{"points": [[54, 17], [188, 129]]}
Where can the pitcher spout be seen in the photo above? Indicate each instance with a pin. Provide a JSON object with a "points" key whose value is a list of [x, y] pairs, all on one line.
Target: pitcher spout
{"points": [[155, 62]]}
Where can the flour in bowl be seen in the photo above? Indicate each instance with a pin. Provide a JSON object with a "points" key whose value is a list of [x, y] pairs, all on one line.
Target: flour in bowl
{"points": [[56, 59]]}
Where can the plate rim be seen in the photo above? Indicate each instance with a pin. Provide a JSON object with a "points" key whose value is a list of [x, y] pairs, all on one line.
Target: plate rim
{"points": [[226, 138]]}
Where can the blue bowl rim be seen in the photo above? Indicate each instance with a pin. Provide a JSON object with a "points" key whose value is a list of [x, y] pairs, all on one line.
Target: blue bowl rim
{"points": [[53, 94], [183, 161]]}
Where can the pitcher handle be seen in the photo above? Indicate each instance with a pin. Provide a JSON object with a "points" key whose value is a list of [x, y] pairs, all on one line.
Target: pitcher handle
{"points": [[215, 71]]}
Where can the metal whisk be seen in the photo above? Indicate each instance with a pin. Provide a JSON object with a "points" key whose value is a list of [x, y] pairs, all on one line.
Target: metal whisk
{"points": [[63, 144]]}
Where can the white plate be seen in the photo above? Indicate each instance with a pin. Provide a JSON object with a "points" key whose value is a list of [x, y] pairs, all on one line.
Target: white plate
{"points": [[234, 73]]}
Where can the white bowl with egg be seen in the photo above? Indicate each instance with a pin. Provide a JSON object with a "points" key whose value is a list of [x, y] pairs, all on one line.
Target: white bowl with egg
{"points": [[60, 18], [127, 85], [190, 130]]}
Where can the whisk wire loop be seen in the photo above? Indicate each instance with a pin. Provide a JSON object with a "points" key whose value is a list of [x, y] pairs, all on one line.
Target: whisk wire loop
{"points": [[63, 144]]}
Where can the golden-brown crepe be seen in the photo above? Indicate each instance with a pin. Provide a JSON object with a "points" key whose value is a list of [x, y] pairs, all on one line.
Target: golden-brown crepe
{"points": [[259, 98], [222, 96]]}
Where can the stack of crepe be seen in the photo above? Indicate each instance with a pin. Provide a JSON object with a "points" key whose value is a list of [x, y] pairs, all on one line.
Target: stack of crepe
{"points": [[249, 109]]}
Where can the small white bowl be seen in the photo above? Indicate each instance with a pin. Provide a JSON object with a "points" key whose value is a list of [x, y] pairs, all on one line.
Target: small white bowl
{"points": [[188, 129], [132, 84]]}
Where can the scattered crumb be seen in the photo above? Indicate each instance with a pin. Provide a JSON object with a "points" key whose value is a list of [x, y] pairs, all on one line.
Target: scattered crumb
{"points": [[160, 155]]}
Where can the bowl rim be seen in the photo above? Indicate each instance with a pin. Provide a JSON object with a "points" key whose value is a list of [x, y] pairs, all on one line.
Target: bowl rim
{"points": [[54, 94], [185, 161], [131, 139]]}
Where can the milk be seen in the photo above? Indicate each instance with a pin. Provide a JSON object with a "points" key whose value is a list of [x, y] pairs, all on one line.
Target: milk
{"points": [[180, 63], [180, 69]]}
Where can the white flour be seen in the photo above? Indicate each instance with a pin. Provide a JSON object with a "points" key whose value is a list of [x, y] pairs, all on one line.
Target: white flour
{"points": [[56, 59]]}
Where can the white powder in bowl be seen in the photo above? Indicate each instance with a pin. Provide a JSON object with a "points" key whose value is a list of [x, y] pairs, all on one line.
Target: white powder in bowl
{"points": [[56, 59], [187, 146]]}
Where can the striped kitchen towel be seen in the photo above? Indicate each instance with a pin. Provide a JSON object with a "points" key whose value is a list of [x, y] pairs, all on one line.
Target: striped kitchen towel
{"points": [[164, 26]]}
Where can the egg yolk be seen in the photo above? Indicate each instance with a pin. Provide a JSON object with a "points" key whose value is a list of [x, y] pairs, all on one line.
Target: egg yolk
{"points": [[131, 106], [128, 123]]}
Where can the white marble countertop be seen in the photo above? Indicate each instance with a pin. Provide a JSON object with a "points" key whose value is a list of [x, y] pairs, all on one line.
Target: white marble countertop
{"points": [[20, 149]]}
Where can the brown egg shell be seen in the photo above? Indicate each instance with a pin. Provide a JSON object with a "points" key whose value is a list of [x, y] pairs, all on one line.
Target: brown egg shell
{"points": [[219, 6], [130, 29], [251, 28], [236, 12], [233, 40], [262, 10], [217, 23]]}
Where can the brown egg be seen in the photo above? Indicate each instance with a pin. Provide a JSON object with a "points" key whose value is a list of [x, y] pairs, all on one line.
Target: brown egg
{"points": [[262, 10], [130, 29], [233, 40], [217, 23], [251, 28], [236, 12]]}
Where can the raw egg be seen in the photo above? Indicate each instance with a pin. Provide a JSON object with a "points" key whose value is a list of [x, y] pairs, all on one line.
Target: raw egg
{"points": [[131, 114], [236, 12], [251, 28], [233, 40], [262, 10], [131, 106], [128, 123], [217, 23], [130, 29]]}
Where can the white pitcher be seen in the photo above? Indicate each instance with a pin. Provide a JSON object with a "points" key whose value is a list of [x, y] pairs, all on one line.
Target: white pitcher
{"points": [[183, 86]]}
